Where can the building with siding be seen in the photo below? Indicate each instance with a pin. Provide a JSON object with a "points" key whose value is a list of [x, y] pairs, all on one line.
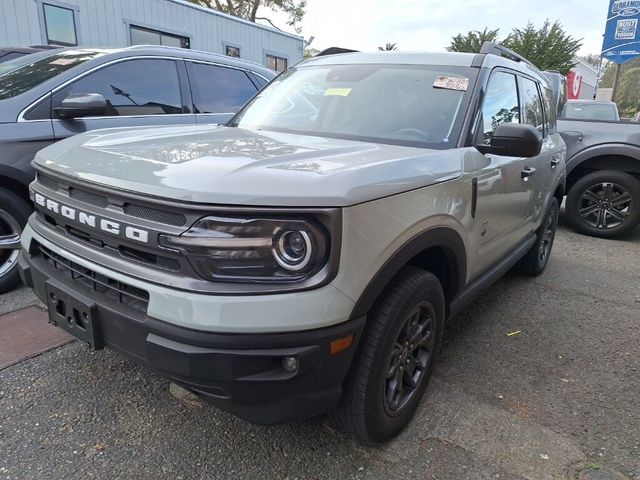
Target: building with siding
{"points": [[121, 23]]}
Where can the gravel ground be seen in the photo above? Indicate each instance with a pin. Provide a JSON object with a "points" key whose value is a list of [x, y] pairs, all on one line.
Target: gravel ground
{"points": [[562, 394]]}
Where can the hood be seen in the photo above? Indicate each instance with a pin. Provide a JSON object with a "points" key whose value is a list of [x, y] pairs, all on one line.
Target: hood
{"points": [[233, 166]]}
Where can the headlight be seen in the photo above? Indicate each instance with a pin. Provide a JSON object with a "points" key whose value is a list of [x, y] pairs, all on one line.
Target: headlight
{"points": [[255, 250]]}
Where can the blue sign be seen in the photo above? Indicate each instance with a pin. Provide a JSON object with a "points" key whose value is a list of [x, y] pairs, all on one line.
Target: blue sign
{"points": [[622, 35]]}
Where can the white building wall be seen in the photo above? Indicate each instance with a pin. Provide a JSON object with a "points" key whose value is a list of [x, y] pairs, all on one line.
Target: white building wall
{"points": [[105, 23]]}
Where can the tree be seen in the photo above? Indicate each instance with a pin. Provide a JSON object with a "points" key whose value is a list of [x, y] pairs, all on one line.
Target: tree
{"points": [[472, 41], [388, 47], [548, 48], [248, 9], [628, 97]]}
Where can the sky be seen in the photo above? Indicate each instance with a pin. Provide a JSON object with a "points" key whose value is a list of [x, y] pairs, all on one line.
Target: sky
{"points": [[428, 25]]}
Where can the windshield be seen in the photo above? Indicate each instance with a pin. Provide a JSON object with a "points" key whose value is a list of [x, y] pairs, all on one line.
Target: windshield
{"points": [[398, 104], [590, 111], [22, 74]]}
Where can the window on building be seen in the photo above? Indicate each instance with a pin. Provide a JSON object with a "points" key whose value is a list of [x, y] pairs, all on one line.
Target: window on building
{"points": [[532, 104], [60, 25], [219, 89], [500, 104], [278, 64], [132, 87], [230, 51], [147, 36]]}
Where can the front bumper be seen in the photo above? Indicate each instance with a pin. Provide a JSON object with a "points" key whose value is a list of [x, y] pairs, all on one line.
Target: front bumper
{"points": [[241, 373]]}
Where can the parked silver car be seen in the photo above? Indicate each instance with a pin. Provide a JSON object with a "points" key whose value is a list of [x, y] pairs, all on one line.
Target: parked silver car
{"points": [[51, 95]]}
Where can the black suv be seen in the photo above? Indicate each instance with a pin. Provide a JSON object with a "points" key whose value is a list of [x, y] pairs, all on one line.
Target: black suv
{"points": [[51, 95]]}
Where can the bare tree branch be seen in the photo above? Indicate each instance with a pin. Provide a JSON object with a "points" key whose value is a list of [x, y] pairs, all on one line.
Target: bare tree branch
{"points": [[272, 24]]}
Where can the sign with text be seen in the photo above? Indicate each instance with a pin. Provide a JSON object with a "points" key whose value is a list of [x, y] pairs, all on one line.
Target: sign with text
{"points": [[622, 35]]}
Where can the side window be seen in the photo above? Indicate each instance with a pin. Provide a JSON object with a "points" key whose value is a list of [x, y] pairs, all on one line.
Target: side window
{"points": [[219, 89], [132, 87], [261, 81], [550, 111], [500, 104], [532, 105]]}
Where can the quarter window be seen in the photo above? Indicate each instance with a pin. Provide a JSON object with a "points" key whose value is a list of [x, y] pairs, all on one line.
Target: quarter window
{"points": [[60, 25], [133, 87], [278, 64], [230, 51], [532, 105], [550, 110], [500, 104], [219, 89], [147, 36]]}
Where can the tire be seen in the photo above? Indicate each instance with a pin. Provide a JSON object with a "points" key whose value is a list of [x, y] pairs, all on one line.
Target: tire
{"points": [[605, 203], [369, 410], [535, 260], [14, 212]]}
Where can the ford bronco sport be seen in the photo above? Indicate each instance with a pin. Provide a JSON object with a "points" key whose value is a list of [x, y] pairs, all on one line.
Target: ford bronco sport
{"points": [[306, 256]]}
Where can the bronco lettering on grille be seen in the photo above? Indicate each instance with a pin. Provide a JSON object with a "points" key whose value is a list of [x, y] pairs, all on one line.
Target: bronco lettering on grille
{"points": [[91, 220]]}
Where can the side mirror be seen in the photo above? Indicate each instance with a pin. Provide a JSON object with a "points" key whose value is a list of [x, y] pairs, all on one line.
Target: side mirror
{"points": [[82, 105], [514, 140]]}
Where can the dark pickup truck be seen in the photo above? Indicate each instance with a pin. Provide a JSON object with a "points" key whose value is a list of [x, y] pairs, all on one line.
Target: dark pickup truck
{"points": [[603, 176]]}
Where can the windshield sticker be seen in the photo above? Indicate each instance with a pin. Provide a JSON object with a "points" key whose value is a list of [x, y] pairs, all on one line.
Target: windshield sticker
{"points": [[337, 92], [452, 83]]}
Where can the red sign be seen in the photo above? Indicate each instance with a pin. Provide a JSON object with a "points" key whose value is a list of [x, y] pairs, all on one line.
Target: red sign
{"points": [[574, 85]]}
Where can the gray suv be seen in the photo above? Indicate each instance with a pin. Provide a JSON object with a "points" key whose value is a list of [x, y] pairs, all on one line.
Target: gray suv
{"points": [[51, 95], [307, 256]]}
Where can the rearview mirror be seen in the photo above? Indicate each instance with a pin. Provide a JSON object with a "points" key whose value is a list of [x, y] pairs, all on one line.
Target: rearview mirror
{"points": [[514, 140], [82, 105]]}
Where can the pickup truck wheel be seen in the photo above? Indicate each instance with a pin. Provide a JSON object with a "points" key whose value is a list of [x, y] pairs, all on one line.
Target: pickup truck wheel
{"points": [[14, 212], [536, 259], [395, 358], [605, 203]]}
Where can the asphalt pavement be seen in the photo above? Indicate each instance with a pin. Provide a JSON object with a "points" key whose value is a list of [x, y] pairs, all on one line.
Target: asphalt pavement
{"points": [[561, 395]]}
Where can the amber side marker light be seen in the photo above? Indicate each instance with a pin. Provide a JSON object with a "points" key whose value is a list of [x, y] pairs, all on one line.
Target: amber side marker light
{"points": [[341, 344]]}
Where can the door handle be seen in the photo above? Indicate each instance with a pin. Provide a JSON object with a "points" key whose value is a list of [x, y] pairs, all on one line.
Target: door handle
{"points": [[555, 161], [527, 172]]}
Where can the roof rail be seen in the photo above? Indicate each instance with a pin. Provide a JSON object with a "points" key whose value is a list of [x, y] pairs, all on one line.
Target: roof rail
{"points": [[333, 51], [492, 48]]}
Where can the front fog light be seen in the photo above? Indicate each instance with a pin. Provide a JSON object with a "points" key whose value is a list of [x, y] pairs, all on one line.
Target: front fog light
{"points": [[290, 364], [293, 250]]}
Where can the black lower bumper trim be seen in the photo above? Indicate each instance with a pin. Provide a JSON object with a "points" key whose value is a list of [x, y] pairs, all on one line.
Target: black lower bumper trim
{"points": [[241, 373]]}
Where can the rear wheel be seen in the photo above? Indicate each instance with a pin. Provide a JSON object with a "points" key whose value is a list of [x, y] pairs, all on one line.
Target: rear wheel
{"points": [[14, 212], [395, 358], [536, 259], [605, 203]]}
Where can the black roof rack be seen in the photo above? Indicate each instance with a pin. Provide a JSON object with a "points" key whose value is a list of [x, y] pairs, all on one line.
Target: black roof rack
{"points": [[334, 50], [492, 48]]}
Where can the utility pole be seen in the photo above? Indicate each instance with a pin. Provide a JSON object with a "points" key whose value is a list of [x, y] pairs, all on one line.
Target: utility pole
{"points": [[616, 81]]}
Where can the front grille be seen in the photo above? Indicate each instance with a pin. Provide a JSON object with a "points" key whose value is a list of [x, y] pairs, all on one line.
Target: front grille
{"points": [[121, 292], [88, 197], [155, 215]]}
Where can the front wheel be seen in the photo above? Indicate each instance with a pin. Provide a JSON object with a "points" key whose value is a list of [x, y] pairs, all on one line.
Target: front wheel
{"points": [[605, 203], [395, 359], [14, 212]]}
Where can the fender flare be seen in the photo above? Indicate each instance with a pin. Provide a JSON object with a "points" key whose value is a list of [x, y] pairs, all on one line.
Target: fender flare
{"points": [[443, 237], [603, 150]]}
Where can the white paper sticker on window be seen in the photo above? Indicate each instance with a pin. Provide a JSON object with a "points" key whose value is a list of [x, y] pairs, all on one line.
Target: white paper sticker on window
{"points": [[63, 61], [452, 83]]}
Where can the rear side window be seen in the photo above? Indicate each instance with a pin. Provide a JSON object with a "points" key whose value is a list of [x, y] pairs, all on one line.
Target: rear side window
{"points": [[500, 104], [532, 105], [132, 87], [219, 89]]}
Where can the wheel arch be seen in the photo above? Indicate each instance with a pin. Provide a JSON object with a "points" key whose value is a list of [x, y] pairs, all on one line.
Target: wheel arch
{"points": [[439, 250], [625, 158], [15, 181]]}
